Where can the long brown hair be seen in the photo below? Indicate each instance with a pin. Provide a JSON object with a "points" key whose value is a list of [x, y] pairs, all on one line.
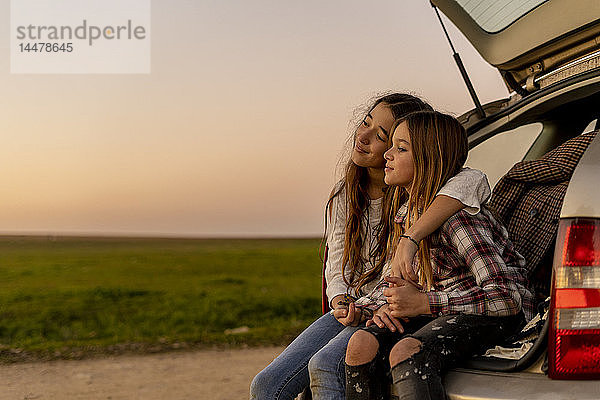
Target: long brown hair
{"points": [[439, 148], [355, 183]]}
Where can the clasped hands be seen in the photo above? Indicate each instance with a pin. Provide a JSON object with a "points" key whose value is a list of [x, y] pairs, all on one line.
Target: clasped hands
{"points": [[404, 296], [404, 299]]}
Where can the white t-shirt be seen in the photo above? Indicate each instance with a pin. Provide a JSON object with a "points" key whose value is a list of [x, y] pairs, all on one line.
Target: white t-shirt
{"points": [[469, 186]]}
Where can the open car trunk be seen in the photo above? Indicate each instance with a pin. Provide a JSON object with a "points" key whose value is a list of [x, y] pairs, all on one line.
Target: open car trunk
{"points": [[548, 52], [530, 39], [564, 115]]}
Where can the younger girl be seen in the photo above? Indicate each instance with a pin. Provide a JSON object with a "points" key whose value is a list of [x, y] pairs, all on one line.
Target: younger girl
{"points": [[471, 291]]}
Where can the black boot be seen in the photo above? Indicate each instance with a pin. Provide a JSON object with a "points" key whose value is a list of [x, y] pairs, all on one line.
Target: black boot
{"points": [[366, 382], [413, 379]]}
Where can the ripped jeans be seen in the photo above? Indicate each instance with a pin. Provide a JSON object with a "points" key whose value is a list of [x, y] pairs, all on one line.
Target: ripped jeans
{"points": [[318, 350], [444, 342]]}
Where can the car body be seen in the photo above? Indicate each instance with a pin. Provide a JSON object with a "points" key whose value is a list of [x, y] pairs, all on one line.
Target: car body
{"points": [[548, 53]]}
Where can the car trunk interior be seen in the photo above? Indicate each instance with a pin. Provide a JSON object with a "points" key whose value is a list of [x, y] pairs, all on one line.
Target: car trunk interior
{"points": [[563, 117]]}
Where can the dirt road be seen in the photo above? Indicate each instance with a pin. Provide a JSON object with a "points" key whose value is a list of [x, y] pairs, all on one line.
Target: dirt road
{"points": [[206, 374]]}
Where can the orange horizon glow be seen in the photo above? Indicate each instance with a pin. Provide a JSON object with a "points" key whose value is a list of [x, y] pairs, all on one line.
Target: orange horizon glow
{"points": [[237, 131]]}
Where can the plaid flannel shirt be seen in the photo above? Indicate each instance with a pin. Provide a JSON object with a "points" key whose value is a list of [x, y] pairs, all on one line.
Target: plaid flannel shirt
{"points": [[476, 269]]}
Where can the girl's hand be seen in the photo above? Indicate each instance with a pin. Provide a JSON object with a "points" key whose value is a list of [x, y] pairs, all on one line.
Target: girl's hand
{"points": [[383, 318], [405, 299], [402, 260], [348, 316], [335, 302]]}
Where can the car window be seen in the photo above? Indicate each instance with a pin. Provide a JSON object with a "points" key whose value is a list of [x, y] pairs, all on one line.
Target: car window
{"points": [[498, 154], [495, 15], [591, 127]]}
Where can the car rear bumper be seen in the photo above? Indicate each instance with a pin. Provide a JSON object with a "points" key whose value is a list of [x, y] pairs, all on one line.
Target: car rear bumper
{"points": [[462, 384]]}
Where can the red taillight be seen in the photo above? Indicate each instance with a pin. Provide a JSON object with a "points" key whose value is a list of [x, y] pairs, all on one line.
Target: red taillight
{"points": [[581, 245], [574, 342]]}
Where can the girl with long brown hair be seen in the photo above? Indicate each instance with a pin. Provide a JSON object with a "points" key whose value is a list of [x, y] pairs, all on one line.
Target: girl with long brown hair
{"points": [[353, 215], [471, 290]]}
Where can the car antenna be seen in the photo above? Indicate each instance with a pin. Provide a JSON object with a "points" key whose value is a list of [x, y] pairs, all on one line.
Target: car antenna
{"points": [[461, 68]]}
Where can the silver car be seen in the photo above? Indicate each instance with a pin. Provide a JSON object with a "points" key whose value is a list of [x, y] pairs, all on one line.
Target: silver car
{"points": [[548, 53]]}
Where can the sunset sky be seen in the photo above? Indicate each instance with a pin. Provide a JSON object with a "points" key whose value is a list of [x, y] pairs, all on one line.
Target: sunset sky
{"points": [[236, 131]]}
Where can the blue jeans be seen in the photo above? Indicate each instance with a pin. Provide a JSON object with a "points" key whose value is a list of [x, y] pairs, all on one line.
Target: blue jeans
{"points": [[327, 367], [287, 375]]}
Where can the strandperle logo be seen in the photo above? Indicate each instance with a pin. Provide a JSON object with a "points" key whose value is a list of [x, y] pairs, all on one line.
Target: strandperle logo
{"points": [[85, 31], [80, 37]]}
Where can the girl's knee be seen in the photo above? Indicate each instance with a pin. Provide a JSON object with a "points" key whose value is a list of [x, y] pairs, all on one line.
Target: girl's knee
{"points": [[260, 385], [362, 348], [316, 362], [404, 349], [322, 360]]}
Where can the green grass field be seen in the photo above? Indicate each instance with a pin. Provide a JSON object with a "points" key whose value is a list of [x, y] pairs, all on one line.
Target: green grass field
{"points": [[72, 297]]}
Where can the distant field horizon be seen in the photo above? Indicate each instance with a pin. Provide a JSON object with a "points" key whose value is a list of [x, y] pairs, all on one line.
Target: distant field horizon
{"points": [[118, 235], [73, 297]]}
